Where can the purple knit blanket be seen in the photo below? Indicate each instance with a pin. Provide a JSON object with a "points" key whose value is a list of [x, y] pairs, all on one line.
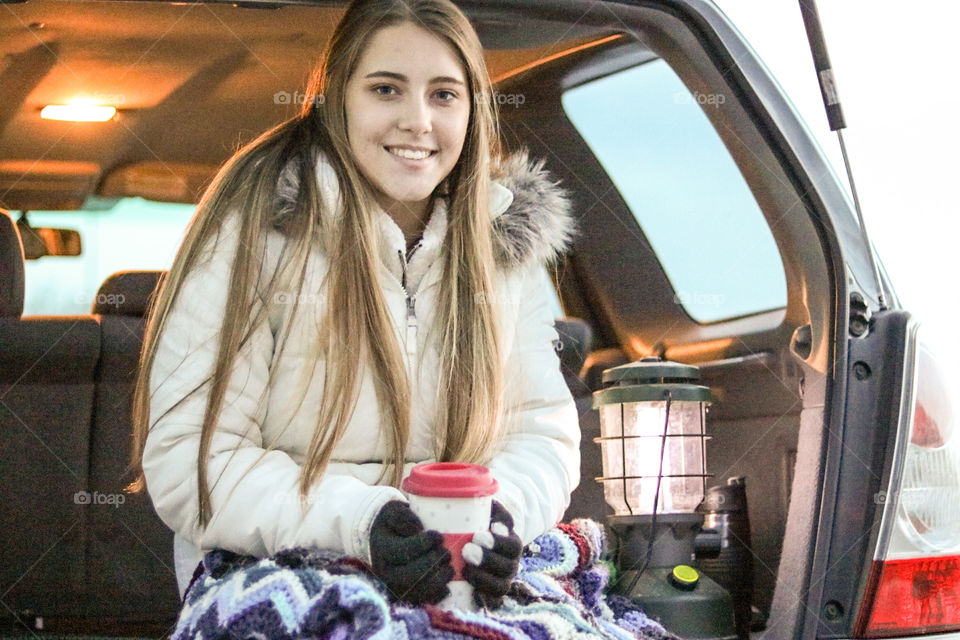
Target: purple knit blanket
{"points": [[558, 594]]}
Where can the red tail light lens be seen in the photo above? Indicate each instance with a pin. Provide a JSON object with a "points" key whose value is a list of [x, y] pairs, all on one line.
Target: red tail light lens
{"points": [[919, 595], [914, 585]]}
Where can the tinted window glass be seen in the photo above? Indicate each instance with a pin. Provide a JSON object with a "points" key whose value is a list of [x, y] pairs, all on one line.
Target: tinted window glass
{"points": [[654, 141]]}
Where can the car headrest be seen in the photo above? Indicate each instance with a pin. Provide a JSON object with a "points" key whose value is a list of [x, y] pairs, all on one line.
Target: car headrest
{"points": [[127, 293], [576, 340], [11, 268]]}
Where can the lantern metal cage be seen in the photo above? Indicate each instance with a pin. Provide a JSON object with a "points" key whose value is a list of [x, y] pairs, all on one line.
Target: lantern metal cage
{"points": [[653, 437]]}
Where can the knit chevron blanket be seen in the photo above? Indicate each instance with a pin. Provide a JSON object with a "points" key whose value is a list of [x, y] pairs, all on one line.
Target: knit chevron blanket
{"points": [[302, 594]]}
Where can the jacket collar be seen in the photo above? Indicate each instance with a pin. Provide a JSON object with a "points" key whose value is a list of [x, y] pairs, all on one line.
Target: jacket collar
{"points": [[393, 245], [531, 215]]}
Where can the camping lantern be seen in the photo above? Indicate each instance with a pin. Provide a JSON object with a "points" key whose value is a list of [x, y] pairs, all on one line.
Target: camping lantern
{"points": [[652, 437], [652, 442]]}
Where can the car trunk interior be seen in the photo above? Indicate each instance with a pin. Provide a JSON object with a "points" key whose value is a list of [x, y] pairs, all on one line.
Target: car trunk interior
{"points": [[767, 370]]}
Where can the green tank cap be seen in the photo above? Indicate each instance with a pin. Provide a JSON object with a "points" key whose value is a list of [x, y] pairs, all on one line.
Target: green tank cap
{"points": [[684, 577]]}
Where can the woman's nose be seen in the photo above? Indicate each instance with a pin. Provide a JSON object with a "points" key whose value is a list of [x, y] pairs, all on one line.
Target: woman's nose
{"points": [[415, 116]]}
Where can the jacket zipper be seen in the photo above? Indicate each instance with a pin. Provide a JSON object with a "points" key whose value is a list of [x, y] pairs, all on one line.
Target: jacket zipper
{"points": [[411, 302]]}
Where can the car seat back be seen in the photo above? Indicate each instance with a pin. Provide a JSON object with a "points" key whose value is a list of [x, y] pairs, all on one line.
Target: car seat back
{"points": [[130, 552], [47, 368]]}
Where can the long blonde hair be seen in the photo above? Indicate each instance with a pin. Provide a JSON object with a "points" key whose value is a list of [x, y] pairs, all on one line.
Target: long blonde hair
{"points": [[357, 326]]}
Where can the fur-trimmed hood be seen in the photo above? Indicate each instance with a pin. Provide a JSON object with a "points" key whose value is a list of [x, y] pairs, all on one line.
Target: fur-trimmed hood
{"points": [[532, 217], [538, 224]]}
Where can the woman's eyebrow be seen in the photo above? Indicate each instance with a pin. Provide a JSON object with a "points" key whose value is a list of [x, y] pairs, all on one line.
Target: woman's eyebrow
{"points": [[402, 78]]}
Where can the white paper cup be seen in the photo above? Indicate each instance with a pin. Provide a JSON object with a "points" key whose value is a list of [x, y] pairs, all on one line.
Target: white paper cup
{"points": [[452, 498]]}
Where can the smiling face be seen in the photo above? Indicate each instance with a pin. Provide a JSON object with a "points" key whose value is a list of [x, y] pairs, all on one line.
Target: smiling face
{"points": [[407, 106]]}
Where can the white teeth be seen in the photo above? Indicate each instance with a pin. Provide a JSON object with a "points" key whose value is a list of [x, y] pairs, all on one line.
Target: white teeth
{"points": [[410, 154]]}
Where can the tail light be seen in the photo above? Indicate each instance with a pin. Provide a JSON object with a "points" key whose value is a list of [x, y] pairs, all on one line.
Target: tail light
{"points": [[914, 585]]}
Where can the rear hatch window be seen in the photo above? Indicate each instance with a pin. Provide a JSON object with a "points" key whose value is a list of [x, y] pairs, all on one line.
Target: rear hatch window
{"points": [[117, 235], [675, 174]]}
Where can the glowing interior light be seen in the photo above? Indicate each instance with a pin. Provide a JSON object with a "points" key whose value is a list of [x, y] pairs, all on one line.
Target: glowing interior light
{"points": [[78, 112], [633, 440]]}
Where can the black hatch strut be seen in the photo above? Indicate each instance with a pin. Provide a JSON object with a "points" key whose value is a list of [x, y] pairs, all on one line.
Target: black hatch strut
{"points": [[831, 100]]}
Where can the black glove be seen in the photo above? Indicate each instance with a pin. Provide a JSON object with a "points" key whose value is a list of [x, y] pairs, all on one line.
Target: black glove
{"points": [[501, 549], [413, 563]]}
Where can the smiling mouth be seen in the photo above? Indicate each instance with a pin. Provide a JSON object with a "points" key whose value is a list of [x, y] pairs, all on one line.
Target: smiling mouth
{"points": [[411, 154]]}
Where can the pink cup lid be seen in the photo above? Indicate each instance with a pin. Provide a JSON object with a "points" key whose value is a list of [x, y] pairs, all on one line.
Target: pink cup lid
{"points": [[450, 480]]}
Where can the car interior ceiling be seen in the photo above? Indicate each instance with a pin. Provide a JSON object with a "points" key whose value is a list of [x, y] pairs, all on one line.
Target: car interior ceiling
{"points": [[619, 292], [148, 53]]}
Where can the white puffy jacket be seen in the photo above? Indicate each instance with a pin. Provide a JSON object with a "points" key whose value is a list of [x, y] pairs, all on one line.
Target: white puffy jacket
{"points": [[254, 497]]}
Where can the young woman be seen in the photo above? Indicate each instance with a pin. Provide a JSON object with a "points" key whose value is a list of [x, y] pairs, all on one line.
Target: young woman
{"points": [[359, 292]]}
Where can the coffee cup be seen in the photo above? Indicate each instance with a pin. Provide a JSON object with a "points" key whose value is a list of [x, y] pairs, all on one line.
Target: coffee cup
{"points": [[453, 498]]}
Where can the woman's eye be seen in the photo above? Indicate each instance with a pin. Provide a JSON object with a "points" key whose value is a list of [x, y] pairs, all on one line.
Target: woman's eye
{"points": [[384, 90], [445, 95]]}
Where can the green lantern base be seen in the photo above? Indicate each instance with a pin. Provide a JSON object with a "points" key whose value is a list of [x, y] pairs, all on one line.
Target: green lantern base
{"points": [[689, 605]]}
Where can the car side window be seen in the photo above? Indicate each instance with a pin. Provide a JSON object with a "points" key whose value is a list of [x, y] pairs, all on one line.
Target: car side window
{"points": [[652, 138]]}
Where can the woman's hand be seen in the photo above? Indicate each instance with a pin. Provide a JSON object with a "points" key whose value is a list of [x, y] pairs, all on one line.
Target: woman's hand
{"points": [[413, 563], [493, 558]]}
